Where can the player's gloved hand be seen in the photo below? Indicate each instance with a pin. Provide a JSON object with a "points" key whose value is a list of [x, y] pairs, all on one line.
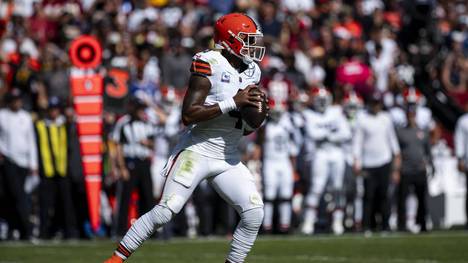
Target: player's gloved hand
{"points": [[249, 96]]}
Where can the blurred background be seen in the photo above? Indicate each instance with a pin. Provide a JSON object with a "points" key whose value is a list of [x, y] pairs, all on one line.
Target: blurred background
{"points": [[410, 57]]}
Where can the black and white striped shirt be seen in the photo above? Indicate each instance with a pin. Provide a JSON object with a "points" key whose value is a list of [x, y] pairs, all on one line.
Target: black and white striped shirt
{"points": [[130, 132]]}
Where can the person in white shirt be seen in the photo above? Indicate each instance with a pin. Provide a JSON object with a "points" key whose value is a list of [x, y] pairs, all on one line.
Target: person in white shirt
{"points": [[375, 149], [18, 155]]}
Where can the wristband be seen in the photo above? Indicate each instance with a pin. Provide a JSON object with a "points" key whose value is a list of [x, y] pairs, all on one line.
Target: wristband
{"points": [[227, 105]]}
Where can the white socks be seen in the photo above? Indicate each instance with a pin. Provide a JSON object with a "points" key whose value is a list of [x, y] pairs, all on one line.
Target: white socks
{"points": [[245, 234], [142, 229]]}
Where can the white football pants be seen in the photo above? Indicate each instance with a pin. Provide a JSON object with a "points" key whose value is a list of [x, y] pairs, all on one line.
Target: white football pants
{"points": [[279, 184]]}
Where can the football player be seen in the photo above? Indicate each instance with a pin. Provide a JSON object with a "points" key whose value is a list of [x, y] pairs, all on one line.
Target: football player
{"points": [[222, 81], [326, 125], [279, 152], [354, 185]]}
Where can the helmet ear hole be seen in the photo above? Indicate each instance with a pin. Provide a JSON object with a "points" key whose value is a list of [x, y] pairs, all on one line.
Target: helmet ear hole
{"points": [[231, 39]]}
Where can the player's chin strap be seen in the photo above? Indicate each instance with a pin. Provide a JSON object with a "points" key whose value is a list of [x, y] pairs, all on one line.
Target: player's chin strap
{"points": [[246, 59]]}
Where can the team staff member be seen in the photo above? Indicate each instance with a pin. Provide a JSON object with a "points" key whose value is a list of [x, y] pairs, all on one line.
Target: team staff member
{"points": [[375, 145], [415, 157], [55, 187], [19, 156], [461, 150], [133, 135]]}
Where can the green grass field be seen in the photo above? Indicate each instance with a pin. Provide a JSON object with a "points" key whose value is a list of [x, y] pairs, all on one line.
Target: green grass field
{"points": [[395, 248]]}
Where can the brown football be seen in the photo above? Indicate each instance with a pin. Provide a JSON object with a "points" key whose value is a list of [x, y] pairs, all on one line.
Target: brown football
{"points": [[254, 116]]}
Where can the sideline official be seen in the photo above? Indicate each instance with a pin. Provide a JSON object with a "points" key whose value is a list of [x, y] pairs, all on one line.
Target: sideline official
{"points": [[133, 136]]}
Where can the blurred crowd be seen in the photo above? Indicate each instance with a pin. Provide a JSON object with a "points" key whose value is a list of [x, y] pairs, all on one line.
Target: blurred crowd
{"points": [[355, 70]]}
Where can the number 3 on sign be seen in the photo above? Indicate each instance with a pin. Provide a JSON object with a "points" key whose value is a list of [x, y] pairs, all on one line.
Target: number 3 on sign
{"points": [[120, 89]]}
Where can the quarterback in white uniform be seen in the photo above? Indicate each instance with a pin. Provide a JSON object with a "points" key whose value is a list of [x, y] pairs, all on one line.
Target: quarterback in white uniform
{"points": [[279, 151], [327, 126], [221, 82]]}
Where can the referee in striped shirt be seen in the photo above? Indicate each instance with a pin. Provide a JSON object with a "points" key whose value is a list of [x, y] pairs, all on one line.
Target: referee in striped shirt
{"points": [[133, 136]]}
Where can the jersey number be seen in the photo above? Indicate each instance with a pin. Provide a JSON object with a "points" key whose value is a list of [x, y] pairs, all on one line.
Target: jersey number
{"points": [[236, 114]]}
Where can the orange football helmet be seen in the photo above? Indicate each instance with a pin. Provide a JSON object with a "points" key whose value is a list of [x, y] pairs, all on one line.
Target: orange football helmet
{"points": [[240, 35]]}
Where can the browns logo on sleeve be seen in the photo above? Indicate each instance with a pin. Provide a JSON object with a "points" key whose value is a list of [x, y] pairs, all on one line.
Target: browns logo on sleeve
{"points": [[200, 67]]}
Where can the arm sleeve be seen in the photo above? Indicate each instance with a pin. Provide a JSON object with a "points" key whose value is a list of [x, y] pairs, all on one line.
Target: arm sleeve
{"points": [[459, 140], [392, 138]]}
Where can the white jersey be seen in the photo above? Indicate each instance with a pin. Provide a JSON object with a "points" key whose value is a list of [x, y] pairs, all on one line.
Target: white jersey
{"points": [[375, 142], [329, 130], [219, 137], [278, 145]]}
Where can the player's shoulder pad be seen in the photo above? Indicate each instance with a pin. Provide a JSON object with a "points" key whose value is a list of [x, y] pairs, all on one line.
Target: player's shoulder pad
{"points": [[204, 63]]}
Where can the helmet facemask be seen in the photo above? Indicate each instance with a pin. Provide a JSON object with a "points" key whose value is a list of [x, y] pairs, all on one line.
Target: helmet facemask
{"points": [[250, 49], [351, 109], [321, 103]]}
